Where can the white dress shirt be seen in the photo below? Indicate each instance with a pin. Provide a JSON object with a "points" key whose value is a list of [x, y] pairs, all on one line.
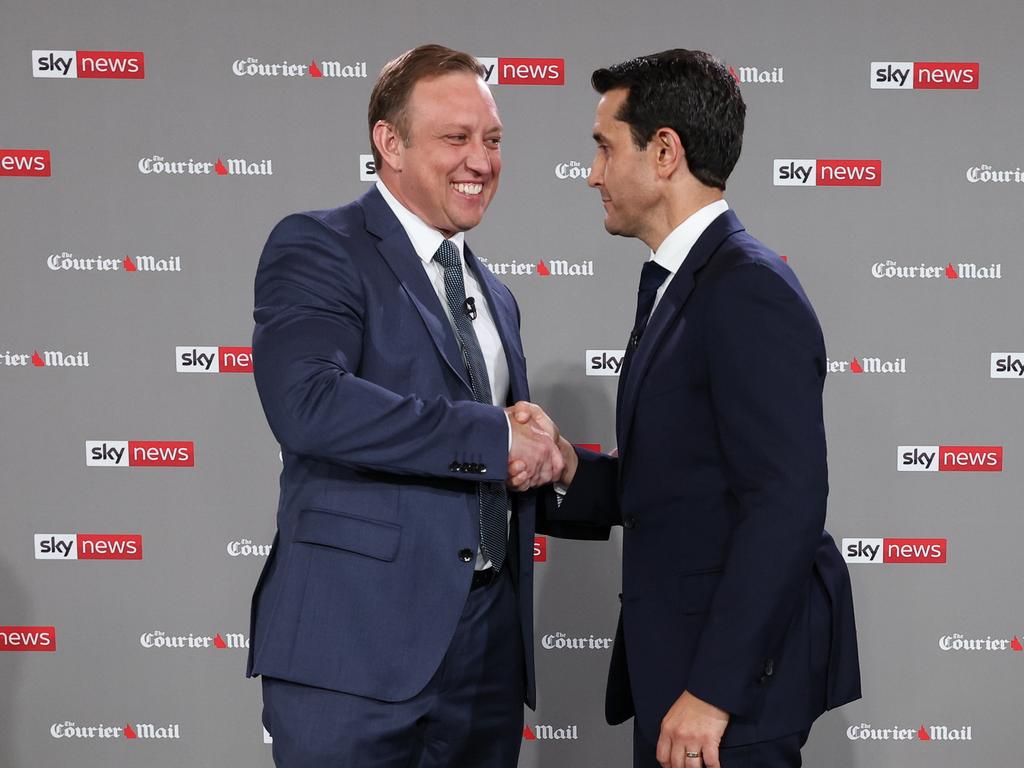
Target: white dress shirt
{"points": [[425, 241], [680, 241]]}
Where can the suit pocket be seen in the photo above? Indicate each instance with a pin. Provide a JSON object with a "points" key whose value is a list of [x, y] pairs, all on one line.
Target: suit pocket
{"points": [[373, 538], [697, 589]]}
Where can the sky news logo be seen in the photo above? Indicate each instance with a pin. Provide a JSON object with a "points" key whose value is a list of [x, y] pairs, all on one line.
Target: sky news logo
{"points": [[518, 71], [88, 546], [827, 173], [213, 359], [604, 362], [120, 65], [140, 453], [925, 75], [894, 551], [540, 549], [949, 458], [25, 162], [28, 639], [1007, 365]]}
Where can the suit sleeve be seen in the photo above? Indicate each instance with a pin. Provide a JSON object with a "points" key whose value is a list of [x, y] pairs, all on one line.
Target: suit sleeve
{"points": [[766, 360], [590, 506], [310, 306]]}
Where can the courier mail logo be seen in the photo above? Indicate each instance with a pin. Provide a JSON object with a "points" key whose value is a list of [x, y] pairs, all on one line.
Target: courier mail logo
{"points": [[925, 75], [949, 458], [508, 71], [140, 453], [604, 362], [894, 551], [28, 639], [1007, 365], [213, 359], [120, 65], [827, 173], [88, 546], [25, 162]]}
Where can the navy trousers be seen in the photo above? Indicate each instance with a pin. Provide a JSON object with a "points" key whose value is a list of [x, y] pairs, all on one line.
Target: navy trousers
{"points": [[469, 715], [778, 753]]}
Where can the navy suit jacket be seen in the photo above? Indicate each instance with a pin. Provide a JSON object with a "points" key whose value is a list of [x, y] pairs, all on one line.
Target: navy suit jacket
{"points": [[363, 385], [731, 588]]}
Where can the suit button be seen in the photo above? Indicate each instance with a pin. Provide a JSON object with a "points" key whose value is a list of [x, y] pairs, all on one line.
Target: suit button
{"points": [[769, 668], [465, 555], [629, 522], [453, 467], [473, 468], [483, 469]]}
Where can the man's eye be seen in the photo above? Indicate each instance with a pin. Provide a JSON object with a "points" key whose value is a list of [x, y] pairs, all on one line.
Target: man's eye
{"points": [[494, 141], [456, 137]]}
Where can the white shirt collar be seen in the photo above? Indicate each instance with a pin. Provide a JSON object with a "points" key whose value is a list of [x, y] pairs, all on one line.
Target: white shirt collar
{"points": [[424, 238], [674, 248]]}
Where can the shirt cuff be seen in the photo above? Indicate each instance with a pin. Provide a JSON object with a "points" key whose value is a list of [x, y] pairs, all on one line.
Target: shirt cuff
{"points": [[509, 422]]}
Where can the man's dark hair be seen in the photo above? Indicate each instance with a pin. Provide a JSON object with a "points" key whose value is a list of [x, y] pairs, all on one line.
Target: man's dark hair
{"points": [[390, 97], [690, 92]]}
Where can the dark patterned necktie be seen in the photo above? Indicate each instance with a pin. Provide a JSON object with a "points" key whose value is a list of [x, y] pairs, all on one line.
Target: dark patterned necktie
{"points": [[493, 496], [651, 277]]}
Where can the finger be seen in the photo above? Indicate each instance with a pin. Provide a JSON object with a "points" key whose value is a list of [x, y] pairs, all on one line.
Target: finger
{"points": [[516, 467], [521, 415], [710, 755], [521, 482], [664, 751]]}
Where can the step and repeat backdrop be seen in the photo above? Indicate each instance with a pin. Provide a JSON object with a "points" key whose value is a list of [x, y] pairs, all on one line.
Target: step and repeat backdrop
{"points": [[146, 151]]}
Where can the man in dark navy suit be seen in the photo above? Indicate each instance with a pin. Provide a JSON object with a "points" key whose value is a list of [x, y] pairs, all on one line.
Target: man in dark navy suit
{"points": [[393, 622], [736, 629]]}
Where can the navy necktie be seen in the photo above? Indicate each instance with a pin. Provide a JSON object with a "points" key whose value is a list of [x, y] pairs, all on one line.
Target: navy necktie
{"points": [[651, 277], [493, 496]]}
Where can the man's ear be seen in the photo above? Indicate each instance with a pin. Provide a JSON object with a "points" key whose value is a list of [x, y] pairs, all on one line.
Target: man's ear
{"points": [[389, 144], [669, 154]]}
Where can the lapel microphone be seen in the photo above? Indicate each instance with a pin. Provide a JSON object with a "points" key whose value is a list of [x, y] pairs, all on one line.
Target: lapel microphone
{"points": [[469, 307]]}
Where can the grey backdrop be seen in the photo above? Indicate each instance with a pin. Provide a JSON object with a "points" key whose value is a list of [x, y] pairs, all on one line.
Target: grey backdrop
{"points": [[191, 105]]}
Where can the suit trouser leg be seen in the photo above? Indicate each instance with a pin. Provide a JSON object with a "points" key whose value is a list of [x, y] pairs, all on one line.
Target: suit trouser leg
{"points": [[469, 714], [777, 753]]}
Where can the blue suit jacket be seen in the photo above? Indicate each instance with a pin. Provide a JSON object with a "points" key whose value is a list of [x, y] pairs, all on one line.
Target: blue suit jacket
{"points": [[731, 588], [363, 385]]}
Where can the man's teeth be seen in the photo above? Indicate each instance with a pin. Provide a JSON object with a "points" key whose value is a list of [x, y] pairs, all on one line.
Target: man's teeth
{"points": [[468, 189]]}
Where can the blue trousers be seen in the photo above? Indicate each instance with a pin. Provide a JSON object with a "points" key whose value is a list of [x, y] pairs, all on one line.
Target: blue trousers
{"points": [[470, 713]]}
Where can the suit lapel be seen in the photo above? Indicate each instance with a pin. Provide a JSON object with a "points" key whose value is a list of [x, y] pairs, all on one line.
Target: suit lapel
{"points": [[505, 316], [665, 316], [400, 256]]}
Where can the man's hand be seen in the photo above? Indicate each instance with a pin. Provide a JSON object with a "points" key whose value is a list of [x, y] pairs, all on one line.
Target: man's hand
{"points": [[535, 458], [524, 412], [691, 726]]}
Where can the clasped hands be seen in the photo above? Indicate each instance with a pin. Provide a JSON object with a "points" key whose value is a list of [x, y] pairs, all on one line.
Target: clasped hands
{"points": [[539, 454]]}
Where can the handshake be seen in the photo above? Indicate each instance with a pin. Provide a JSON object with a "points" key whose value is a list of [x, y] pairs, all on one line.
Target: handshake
{"points": [[539, 454]]}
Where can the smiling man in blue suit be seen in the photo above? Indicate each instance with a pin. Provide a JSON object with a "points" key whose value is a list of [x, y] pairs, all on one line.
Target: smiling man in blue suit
{"points": [[736, 629], [392, 623]]}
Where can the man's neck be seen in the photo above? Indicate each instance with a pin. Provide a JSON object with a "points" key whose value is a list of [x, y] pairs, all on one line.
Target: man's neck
{"points": [[676, 211]]}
